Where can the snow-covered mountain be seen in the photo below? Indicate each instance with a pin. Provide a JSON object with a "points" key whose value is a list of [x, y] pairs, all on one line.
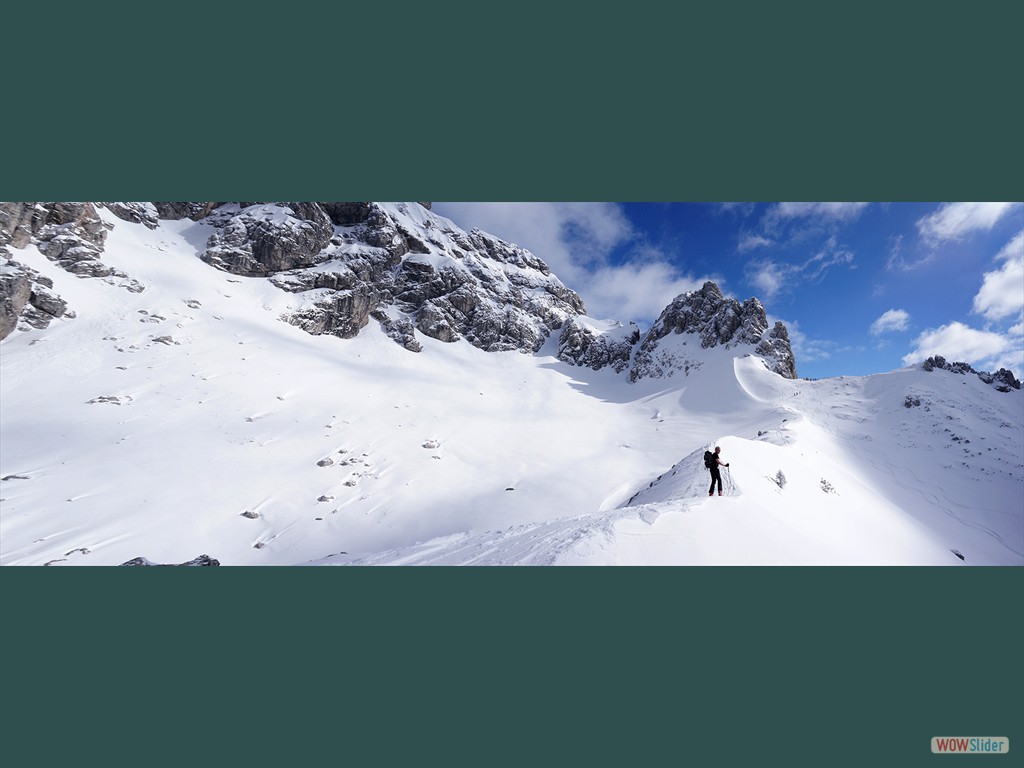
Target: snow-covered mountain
{"points": [[155, 405]]}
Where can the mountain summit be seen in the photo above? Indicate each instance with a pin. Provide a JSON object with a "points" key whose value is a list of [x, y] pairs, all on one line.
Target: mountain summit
{"points": [[715, 321], [697, 320]]}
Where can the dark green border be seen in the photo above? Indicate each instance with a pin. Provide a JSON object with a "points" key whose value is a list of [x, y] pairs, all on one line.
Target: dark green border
{"points": [[838, 667], [645, 666], [439, 101]]}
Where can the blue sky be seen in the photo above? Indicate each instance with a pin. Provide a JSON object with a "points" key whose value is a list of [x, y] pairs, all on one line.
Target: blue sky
{"points": [[863, 287]]}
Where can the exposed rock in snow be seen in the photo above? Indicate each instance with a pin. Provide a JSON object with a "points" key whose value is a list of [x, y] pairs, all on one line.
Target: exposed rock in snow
{"points": [[27, 296], [138, 213], [581, 343], [712, 320], [202, 560], [71, 235], [776, 349], [1003, 380], [184, 210], [15, 290], [261, 240], [436, 279]]}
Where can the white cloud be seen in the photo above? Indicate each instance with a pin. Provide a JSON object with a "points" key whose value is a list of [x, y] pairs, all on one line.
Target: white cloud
{"points": [[634, 291], [830, 255], [805, 349], [741, 209], [892, 320], [769, 278], [896, 261], [569, 237], [1002, 291], [749, 242], [832, 211], [959, 342], [808, 350], [953, 221], [576, 241]]}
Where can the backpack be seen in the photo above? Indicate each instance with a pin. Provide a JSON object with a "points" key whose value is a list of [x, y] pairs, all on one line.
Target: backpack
{"points": [[709, 459]]}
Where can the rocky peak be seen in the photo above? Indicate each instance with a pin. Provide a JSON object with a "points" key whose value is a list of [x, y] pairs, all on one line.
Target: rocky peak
{"points": [[706, 314], [716, 321], [1003, 380]]}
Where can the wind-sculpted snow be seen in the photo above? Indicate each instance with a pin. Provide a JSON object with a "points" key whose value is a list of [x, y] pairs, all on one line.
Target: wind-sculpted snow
{"points": [[836, 472]]}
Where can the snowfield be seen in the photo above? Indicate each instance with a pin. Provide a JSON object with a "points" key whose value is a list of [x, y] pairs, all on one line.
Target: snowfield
{"points": [[188, 419]]}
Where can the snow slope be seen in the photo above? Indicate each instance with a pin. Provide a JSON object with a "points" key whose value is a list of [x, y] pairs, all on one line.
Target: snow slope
{"points": [[189, 419], [866, 481]]}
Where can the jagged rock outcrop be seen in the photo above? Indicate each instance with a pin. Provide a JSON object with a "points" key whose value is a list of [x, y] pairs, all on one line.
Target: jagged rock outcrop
{"points": [[27, 299], [775, 347], [400, 329], [15, 290], [705, 314], [347, 214], [1003, 380], [580, 344], [262, 240], [202, 560], [417, 272], [70, 234], [138, 213], [345, 260], [178, 211], [715, 321]]}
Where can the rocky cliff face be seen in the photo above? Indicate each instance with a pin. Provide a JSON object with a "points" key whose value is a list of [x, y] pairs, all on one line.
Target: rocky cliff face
{"points": [[348, 262], [712, 319], [580, 343], [1003, 380], [716, 321], [408, 269], [69, 234], [414, 273]]}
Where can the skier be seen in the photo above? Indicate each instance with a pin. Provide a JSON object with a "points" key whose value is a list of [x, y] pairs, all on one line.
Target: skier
{"points": [[713, 461]]}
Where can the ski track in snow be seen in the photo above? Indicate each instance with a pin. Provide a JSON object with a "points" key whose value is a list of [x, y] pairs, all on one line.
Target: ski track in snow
{"points": [[189, 420]]}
